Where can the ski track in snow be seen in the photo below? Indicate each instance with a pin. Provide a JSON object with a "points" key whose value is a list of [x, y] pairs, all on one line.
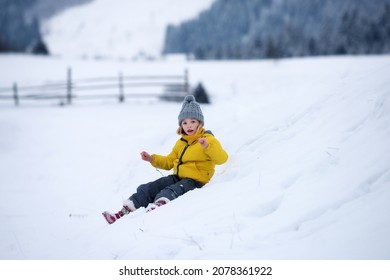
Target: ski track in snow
{"points": [[307, 178]]}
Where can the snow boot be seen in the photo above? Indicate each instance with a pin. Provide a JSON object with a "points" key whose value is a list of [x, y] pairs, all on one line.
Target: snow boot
{"points": [[128, 207], [159, 202]]}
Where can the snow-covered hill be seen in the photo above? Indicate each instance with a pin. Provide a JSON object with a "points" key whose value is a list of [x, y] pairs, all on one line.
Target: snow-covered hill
{"points": [[117, 29], [308, 175]]}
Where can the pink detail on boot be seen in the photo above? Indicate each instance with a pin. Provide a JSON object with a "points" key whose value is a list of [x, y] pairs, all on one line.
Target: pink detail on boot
{"points": [[160, 202], [109, 217], [151, 207], [126, 209], [157, 203]]}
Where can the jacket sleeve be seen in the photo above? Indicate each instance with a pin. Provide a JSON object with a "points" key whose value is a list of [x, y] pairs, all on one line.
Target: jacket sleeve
{"points": [[165, 162], [215, 151]]}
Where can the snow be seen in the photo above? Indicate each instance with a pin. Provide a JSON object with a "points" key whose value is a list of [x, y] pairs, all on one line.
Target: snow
{"points": [[119, 29], [308, 175]]}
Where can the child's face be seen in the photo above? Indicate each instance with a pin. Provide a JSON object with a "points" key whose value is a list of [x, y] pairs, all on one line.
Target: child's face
{"points": [[190, 126]]}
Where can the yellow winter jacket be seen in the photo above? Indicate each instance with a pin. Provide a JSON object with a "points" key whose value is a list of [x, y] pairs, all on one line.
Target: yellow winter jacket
{"points": [[190, 160]]}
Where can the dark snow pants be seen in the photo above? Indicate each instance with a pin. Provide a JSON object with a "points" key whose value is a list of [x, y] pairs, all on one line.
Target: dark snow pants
{"points": [[169, 187]]}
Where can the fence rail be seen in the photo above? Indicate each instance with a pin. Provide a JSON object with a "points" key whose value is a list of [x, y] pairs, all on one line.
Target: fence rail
{"points": [[167, 87]]}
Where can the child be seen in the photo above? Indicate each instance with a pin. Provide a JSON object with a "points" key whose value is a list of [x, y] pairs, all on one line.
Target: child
{"points": [[193, 159]]}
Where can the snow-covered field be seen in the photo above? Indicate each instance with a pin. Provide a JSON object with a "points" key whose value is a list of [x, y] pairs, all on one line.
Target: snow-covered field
{"points": [[120, 29], [308, 175]]}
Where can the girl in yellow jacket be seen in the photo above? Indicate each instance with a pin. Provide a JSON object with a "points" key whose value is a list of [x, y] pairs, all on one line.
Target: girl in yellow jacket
{"points": [[193, 160]]}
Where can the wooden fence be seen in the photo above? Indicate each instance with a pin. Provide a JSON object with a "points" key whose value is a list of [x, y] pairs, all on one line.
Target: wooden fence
{"points": [[121, 87]]}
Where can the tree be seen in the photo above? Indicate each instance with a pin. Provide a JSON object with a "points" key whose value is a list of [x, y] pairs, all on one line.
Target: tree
{"points": [[19, 32]]}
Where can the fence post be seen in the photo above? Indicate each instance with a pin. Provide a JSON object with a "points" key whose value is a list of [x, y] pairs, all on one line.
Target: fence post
{"points": [[121, 94], [69, 86], [186, 84], [16, 97]]}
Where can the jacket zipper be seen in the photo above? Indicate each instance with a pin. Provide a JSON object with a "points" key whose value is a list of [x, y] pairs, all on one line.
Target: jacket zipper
{"points": [[181, 157]]}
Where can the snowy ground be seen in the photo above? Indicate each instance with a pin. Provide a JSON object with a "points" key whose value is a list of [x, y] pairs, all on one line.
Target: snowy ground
{"points": [[308, 175], [120, 29]]}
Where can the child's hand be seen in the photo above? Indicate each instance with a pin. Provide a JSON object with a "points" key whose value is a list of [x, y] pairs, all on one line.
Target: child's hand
{"points": [[203, 142], [146, 157]]}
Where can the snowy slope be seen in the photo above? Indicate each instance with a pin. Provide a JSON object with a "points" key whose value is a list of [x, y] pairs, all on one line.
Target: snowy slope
{"points": [[117, 29], [308, 175]]}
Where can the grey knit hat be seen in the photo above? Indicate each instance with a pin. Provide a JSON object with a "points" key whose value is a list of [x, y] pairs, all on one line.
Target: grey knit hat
{"points": [[190, 110]]}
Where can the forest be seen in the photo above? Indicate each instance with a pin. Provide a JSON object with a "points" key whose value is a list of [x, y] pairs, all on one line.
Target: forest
{"points": [[250, 29]]}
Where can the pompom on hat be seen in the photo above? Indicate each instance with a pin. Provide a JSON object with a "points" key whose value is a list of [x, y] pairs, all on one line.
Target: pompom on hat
{"points": [[190, 110]]}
